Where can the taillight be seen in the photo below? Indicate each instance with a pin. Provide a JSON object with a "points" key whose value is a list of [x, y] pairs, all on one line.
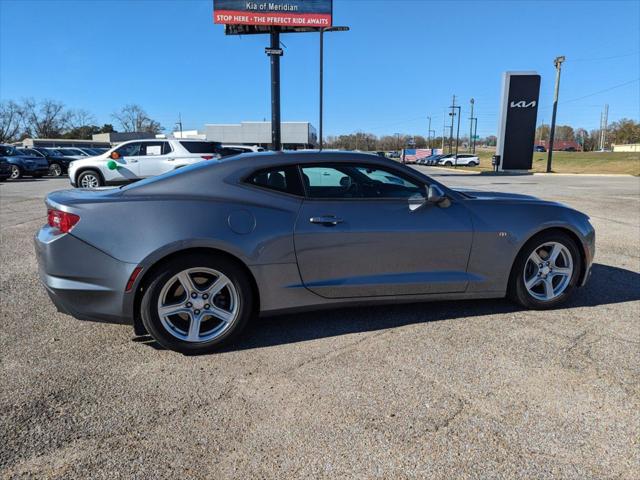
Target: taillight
{"points": [[63, 221], [206, 157]]}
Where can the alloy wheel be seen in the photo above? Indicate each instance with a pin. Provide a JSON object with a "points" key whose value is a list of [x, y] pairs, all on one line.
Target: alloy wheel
{"points": [[89, 180], [548, 271], [198, 305], [55, 170], [15, 172]]}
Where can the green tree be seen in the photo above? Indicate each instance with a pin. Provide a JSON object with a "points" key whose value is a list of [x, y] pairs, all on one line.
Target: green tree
{"points": [[623, 131]]}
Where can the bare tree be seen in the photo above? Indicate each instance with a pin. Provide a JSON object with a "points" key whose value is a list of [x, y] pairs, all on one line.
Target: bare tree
{"points": [[10, 121], [80, 118], [47, 119], [133, 118]]}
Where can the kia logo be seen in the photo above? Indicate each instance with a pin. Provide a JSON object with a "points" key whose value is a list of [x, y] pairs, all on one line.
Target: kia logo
{"points": [[523, 104]]}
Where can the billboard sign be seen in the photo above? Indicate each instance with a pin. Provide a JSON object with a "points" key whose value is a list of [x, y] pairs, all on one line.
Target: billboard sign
{"points": [[518, 115], [283, 13]]}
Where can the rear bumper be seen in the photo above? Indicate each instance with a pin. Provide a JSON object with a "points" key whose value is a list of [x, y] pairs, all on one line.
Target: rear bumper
{"points": [[81, 280]]}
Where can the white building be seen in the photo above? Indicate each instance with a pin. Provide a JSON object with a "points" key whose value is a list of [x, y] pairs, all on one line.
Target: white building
{"points": [[293, 134]]}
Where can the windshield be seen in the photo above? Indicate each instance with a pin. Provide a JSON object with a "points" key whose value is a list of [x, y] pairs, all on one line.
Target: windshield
{"points": [[9, 151], [53, 153]]}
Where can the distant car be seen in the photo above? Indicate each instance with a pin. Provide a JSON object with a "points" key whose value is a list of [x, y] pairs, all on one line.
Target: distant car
{"points": [[244, 148], [463, 159], [569, 149], [22, 165], [58, 163], [539, 148], [136, 159]]}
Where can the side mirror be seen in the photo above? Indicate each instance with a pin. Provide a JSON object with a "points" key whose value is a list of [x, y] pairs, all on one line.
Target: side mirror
{"points": [[114, 155], [437, 196]]}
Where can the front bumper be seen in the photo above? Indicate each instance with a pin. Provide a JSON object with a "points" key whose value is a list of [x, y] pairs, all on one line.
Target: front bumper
{"points": [[81, 280]]}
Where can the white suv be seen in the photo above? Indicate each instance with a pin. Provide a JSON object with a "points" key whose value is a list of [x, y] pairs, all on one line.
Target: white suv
{"points": [[465, 159], [136, 159]]}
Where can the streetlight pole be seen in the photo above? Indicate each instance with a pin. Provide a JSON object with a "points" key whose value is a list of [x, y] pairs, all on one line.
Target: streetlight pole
{"points": [[429, 134], [558, 64], [322, 30]]}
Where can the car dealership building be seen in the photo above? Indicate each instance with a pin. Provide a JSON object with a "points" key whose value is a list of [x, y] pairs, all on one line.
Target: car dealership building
{"points": [[295, 135]]}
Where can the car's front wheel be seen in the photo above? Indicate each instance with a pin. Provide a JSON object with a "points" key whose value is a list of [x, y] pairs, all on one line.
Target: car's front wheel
{"points": [[89, 179], [197, 303], [15, 172], [546, 271], [448, 164]]}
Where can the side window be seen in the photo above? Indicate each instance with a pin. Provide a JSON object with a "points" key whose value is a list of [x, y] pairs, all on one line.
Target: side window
{"points": [[151, 149], [166, 148], [358, 181], [282, 179], [130, 150]]}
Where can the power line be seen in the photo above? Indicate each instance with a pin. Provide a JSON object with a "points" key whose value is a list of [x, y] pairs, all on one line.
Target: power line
{"points": [[593, 59], [595, 93]]}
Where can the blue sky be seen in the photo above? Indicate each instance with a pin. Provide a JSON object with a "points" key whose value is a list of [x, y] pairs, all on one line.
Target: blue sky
{"points": [[401, 61]]}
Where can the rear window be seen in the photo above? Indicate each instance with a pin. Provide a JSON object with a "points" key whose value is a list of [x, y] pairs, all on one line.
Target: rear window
{"points": [[201, 147]]}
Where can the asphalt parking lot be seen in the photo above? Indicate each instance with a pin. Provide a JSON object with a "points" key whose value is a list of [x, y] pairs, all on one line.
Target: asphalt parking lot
{"points": [[439, 390]]}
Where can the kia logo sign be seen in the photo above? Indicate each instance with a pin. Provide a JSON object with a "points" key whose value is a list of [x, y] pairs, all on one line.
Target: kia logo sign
{"points": [[523, 104]]}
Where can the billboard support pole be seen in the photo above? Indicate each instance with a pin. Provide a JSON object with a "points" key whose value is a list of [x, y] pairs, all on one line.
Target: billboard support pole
{"points": [[275, 91], [321, 84]]}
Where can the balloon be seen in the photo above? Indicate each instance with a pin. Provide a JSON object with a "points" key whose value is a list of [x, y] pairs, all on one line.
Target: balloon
{"points": [[111, 165]]}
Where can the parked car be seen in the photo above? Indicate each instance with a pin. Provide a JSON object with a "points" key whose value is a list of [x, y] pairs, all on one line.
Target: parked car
{"points": [[137, 159], [539, 148], [58, 163], [22, 165], [244, 148], [464, 159], [190, 256], [5, 169]]}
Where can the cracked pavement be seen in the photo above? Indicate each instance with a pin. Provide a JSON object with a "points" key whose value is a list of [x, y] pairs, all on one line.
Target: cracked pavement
{"points": [[477, 389]]}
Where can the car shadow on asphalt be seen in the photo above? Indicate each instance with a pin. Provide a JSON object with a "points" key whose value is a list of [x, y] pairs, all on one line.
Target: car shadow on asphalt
{"points": [[607, 285]]}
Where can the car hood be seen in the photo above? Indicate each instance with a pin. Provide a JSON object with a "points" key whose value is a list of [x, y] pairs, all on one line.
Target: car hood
{"points": [[506, 196]]}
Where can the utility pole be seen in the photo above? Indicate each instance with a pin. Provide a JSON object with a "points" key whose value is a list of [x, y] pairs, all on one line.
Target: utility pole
{"points": [[475, 133], [552, 132], [452, 114], [179, 123], [541, 132], [604, 120], [471, 126], [397, 142], [429, 134], [444, 126]]}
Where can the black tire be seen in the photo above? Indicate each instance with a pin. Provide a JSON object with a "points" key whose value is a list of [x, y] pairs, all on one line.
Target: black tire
{"points": [[90, 174], [55, 170], [518, 291], [16, 172], [448, 164], [473, 164], [164, 274]]}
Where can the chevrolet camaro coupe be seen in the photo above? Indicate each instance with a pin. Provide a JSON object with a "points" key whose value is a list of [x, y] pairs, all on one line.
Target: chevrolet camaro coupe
{"points": [[190, 256]]}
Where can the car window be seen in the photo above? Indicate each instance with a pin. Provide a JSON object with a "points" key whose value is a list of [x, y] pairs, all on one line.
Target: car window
{"points": [[282, 179], [201, 147], [152, 149], [130, 150], [358, 181]]}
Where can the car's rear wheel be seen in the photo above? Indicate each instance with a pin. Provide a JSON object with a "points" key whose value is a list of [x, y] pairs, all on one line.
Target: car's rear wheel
{"points": [[546, 271], [472, 164], [15, 172], [448, 164], [55, 170], [89, 179], [197, 303]]}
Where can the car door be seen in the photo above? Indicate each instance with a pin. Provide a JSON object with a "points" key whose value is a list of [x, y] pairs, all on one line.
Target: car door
{"points": [[128, 163], [356, 235], [157, 158]]}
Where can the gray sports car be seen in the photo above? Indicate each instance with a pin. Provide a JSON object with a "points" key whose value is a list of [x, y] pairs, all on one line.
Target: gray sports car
{"points": [[192, 255]]}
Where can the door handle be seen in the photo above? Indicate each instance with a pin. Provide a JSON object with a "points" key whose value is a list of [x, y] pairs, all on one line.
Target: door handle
{"points": [[326, 220], [170, 159], [133, 161]]}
